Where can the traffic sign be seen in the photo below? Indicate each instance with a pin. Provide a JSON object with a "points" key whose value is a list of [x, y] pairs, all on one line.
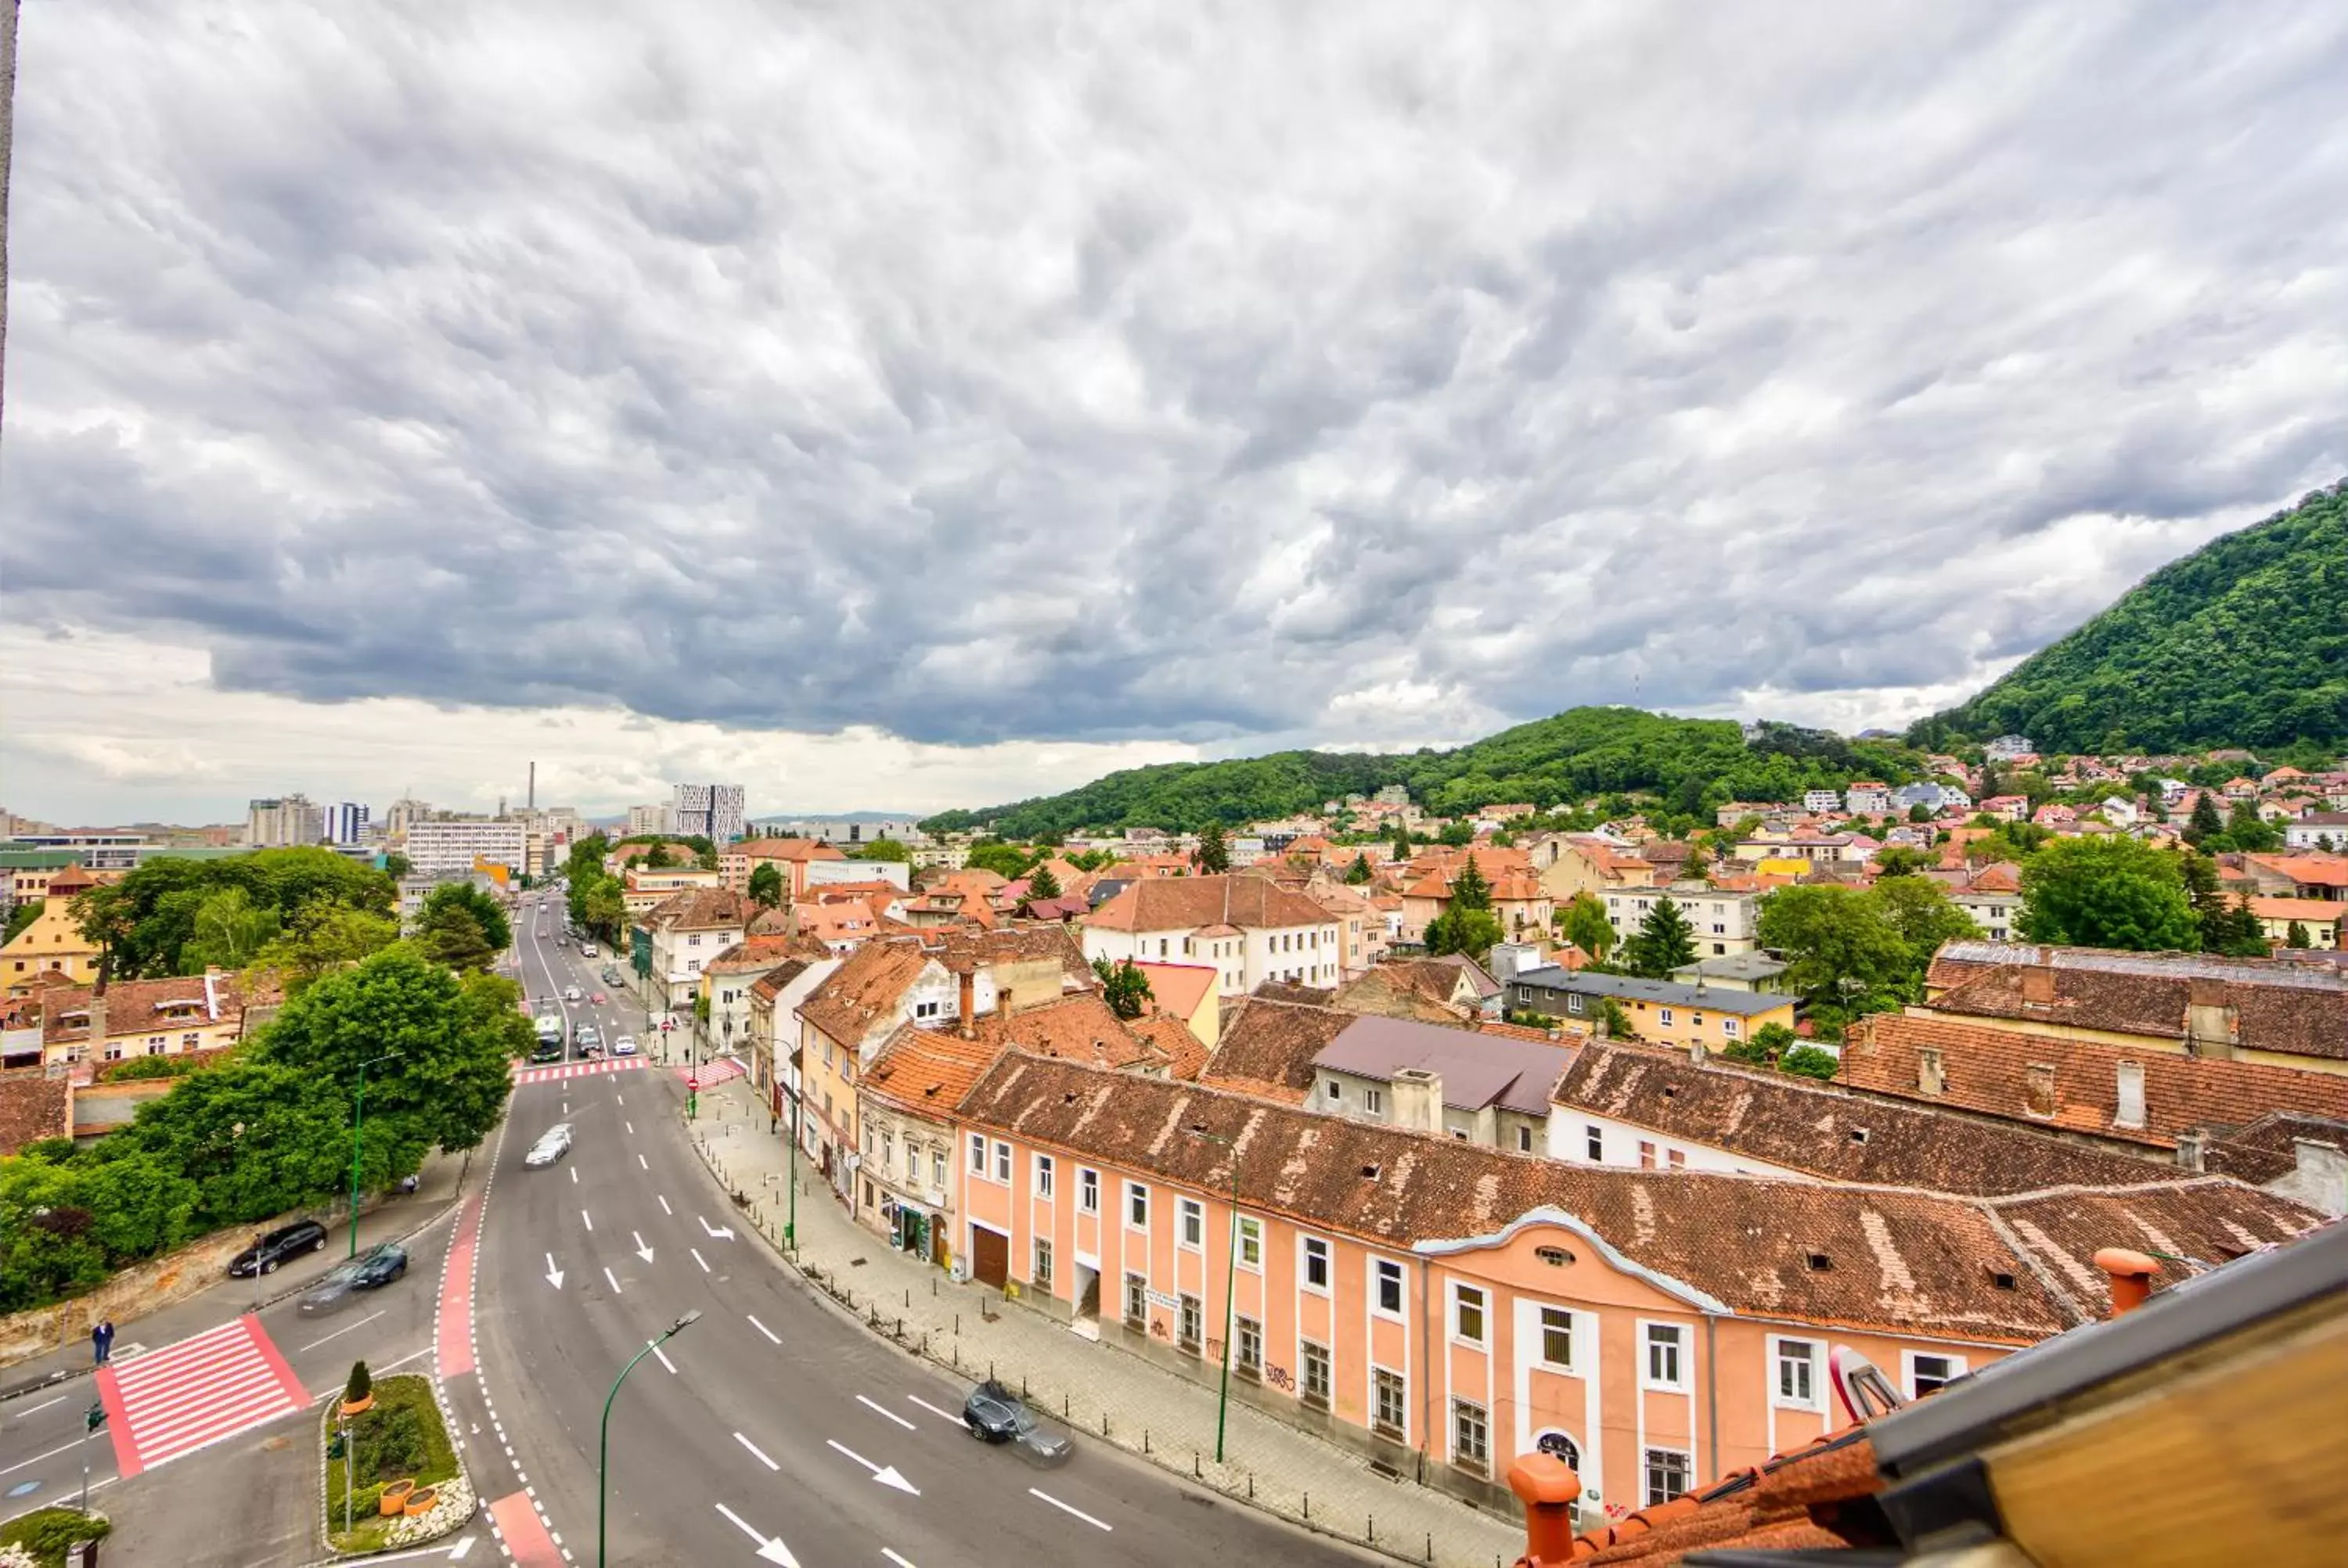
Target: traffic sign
{"points": [[692, 1084]]}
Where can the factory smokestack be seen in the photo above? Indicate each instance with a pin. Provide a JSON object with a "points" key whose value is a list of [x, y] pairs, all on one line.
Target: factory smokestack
{"points": [[534, 786]]}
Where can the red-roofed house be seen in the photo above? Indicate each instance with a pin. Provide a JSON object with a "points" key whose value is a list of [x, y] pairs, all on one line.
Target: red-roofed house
{"points": [[1190, 992], [788, 856], [1249, 928]]}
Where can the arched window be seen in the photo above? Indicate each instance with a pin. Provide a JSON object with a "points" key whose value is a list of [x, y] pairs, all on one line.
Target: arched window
{"points": [[1553, 1441]]}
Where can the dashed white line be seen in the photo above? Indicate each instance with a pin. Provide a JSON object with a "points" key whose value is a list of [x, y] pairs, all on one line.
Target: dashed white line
{"points": [[338, 1333], [1064, 1508], [665, 1208], [764, 1330], [609, 1275], [37, 1408], [630, 1126], [884, 1410], [641, 1160], [892, 1557], [761, 1458], [949, 1415], [584, 1217], [574, 1182], [664, 1356], [698, 1258]]}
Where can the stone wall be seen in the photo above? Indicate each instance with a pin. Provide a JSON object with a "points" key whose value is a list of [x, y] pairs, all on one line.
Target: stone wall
{"points": [[138, 1290]]}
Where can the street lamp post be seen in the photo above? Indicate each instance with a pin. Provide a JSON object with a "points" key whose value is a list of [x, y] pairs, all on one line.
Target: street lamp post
{"points": [[1230, 1288], [604, 1454], [358, 1140], [799, 1108]]}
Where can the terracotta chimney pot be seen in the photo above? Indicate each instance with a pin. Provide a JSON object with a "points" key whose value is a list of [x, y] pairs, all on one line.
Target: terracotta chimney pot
{"points": [[2131, 1274], [1547, 1488]]}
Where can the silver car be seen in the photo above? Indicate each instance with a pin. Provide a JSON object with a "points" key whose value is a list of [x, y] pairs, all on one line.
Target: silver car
{"points": [[552, 1145]]}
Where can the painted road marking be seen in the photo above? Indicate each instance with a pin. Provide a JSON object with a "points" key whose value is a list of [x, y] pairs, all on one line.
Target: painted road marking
{"points": [[587, 1219], [574, 1181], [45, 1405], [199, 1391], [887, 1475], [764, 1330], [663, 1356], [770, 1547], [949, 1415], [892, 1557], [644, 1163], [1064, 1508], [665, 1208], [338, 1333], [453, 1329], [630, 1126], [698, 1258], [883, 1410], [614, 1281], [36, 1459], [761, 1458], [524, 1533], [577, 1070]]}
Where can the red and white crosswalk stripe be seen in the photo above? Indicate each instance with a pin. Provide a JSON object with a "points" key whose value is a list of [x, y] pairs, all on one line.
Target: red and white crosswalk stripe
{"points": [[171, 1401], [714, 1072], [578, 1068]]}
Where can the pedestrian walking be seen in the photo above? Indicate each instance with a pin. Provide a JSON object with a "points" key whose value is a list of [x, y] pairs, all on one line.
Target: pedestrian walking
{"points": [[101, 1339]]}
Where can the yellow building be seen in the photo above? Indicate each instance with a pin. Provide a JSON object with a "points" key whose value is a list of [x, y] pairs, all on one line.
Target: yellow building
{"points": [[52, 942], [1663, 1013]]}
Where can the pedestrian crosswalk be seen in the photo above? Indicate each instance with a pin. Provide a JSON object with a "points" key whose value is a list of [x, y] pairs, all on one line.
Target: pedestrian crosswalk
{"points": [[578, 1068], [170, 1401], [713, 1072]]}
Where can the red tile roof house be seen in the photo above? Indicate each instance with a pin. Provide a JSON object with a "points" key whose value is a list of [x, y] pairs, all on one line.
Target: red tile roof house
{"points": [[1249, 928], [1416, 1297]]}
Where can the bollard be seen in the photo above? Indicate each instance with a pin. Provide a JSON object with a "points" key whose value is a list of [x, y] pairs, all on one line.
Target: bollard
{"points": [[1308, 1505], [1374, 1529], [1430, 1546], [1063, 1407], [957, 1324], [1251, 1486], [909, 1295], [1104, 1421], [1198, 1466], [933, 1285], [1145, 1440]]}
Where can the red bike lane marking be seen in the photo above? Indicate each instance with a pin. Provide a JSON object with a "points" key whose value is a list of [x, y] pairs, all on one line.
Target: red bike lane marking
{"points": [[524, 1533], [118, 1424], [455, 1324]]}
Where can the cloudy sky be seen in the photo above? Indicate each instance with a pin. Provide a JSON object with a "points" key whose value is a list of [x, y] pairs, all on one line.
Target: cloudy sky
{"points": [[926, 404]]}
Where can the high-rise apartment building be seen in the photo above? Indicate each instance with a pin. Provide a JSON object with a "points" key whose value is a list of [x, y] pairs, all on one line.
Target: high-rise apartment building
{"points": [[403, 812], [345, 822], [714, 811], [283, 822], [443, 848], [650, 819]]}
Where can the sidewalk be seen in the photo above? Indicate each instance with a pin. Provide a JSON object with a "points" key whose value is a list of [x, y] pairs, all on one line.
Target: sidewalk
{"points": [[1099, 1390]]}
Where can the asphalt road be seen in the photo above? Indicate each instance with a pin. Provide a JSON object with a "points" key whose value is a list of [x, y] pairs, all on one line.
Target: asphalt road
{"points": [[774, 1425]]}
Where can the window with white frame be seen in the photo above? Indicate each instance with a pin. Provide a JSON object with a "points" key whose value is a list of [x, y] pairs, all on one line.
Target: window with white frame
{"points": [[1467, 1314], [977, 1154], [1003, 1162], [1557, 1335], [1373, 1101], [1191, 1231], [925, 1009], [1316, 1264], [1663, 1015], [1388, 1275], [1334, 1090], [1728, 1028], [1247, 1345], [938, 1168], [1043, 1265], [1189, 1323], [1136, 1205], [1927, 1373], [1593, 1141], [1393, 1407], [1666, 1476], [1088, 1191], [1313, 1381], [1797, 1387], [1472, 1443], [1524, 1139], [1043, 1175], [1250, 1243], [1137, 1300], [1662, 1368]]}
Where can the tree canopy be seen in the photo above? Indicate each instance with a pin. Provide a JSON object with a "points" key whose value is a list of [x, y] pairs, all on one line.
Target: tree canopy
{"points": [[766, 887], [1124, 987], [2107, 892], [1664, 941], [1855, 951], [486, 911], [145, 923]]}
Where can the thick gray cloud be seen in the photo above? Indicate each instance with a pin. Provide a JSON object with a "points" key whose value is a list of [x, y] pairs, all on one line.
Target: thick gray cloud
{"points": [[1227, 374]]}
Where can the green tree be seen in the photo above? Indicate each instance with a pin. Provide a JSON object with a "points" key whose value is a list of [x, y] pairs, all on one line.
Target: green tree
{"points": [[1902, 860], [2225, 923], [228, 932], [1470, 890], [1042, 885], [2205, 824], [1464, 929], [324, 938], [22, 916], [1401, 840], [1615, 1020], [1843, 953], [143, 924], [1586, 928], [397, 865], [888, 849], [487, 912], [1457, 834], [1007, 861], [1214, 854], [2246, 830], [704, 853], [1925, 916], [2295, 935], [2107, 892], [1664, 941], [766, 884], [256, 1138], [451, 935], [1359, 872], [1123, 985], [1809, 1062]]}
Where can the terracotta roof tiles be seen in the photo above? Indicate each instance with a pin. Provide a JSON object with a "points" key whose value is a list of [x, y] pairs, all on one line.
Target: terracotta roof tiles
{"points": [[2284, 1008], [33, 1106], [1267, 1046], [1188, 903]]}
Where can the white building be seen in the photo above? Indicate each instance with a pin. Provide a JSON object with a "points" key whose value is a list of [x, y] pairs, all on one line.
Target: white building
{"points": [[439, 848], [1997, 914], [658, 818], [1248, 927], [711, 811], [1822, 800], [345, 822], [283, 822], [2005, 748], [1721, 923], [2317, 830]]}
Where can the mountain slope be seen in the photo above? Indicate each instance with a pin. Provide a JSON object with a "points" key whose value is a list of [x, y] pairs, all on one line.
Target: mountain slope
{"points": [[2244, 642], [1694, 763]]}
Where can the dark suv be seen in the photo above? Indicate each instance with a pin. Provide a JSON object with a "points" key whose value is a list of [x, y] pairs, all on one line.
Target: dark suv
{"points": [[285, 1242]]}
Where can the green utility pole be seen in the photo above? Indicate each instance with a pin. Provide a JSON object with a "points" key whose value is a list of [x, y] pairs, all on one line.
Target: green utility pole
{"points": [[1231, 1289], [604, 1454], [358, 1138], [792, 1224]]}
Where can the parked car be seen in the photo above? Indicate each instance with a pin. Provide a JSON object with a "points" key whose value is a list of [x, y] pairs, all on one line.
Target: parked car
{"points": [[586, 949], [625, 1046], [995, 1414], [372, 1271], [276, 1246], [552, 1145]]}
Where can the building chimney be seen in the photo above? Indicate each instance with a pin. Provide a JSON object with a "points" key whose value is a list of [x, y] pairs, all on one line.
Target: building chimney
{"points": [[1549, 1488], [2189, 1152], [97, 1025], [1695, 1054], [1931, 1071], [1002, 1000], [963, 1025], [2037, 986], [2131, 1274], [1417, 1100], [2211, 1022]]}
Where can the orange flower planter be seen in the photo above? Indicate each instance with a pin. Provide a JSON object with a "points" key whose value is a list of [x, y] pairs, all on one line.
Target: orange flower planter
{"points": [[359, 1408], [395, 1498], [422, 1501]]}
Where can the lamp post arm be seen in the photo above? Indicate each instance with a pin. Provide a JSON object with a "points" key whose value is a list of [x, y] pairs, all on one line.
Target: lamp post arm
{"points": [[603, 1450]]}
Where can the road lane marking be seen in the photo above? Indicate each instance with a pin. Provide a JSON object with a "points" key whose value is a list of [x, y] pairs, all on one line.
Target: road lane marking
{"points": [[641, 1160], [553, 1275], [1064, 1508], [884, 1410], [949, 1415], [892, 1557], [770, 1547], [574, 1182], [631, 1127], [663, 1356], [61, 1399], [665, 1208], [761, 1458], [698, 1258], [585, 1218], [338, 1333], [764, 1330], [608, 1275], [886, 1474], [38, 1458]]}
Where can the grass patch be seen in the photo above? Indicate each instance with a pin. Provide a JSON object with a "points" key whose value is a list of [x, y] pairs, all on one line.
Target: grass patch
{"points": [[46, 1533], [402, 1438]]}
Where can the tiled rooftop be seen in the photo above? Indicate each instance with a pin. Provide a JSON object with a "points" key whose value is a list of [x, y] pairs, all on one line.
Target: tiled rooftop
{"points": [[1267, 1046]]}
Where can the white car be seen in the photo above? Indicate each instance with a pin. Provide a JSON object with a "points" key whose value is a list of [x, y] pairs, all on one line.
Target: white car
{"points": [[552, 1145], [625, 1046], [571, 993], [587, 949]]}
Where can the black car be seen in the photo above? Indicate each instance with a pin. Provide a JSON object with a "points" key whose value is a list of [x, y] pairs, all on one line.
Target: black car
{"points": [[377, 1268], [285, 1242], [994, 1414]]}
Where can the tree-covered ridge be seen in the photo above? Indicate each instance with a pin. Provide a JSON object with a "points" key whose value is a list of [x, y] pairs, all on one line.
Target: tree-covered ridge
{"points": [[1693, 764], [2243, 643]]}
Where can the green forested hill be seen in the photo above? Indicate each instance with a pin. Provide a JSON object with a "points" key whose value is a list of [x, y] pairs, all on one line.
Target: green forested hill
{"points": [[1695, 764], [2242, 643]]}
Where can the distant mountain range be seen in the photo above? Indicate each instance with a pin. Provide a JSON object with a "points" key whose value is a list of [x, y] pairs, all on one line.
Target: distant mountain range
{"points": [[2244, 642]]}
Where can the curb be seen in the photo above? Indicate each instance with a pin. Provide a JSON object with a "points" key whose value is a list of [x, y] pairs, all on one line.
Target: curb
{"points": [[820, 1285]]}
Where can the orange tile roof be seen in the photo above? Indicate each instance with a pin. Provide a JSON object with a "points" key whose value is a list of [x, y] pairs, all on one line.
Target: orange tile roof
{"points": [[865, 990], [1186, 1055], [783, 849], [1180, 988], [1187, 902], [2309, 911], [1267, 1046]]}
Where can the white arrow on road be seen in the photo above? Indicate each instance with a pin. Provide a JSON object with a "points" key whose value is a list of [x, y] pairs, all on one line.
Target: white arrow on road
{"points": [[553, 1275], [770, 1547], [722, 1232], [641, 1250], [885, 1474]]}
